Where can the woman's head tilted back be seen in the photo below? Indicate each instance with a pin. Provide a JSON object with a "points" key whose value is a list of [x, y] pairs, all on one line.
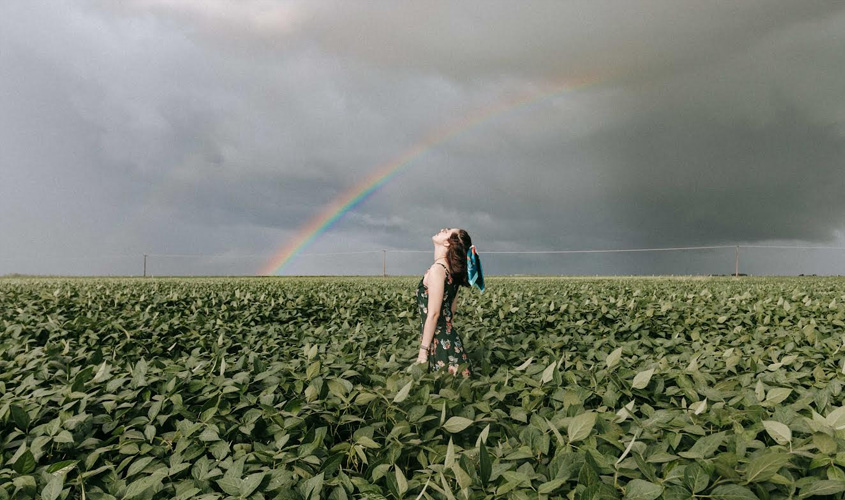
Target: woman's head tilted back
{"points": [[457, 242]]}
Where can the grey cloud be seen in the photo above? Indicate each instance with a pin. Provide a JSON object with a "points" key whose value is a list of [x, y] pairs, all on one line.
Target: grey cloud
{"points": [[222, 128], [544, 39], [686, 179]]}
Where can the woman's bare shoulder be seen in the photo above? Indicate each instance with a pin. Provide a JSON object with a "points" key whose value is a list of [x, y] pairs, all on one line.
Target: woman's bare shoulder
{"points": [[437, 270]]}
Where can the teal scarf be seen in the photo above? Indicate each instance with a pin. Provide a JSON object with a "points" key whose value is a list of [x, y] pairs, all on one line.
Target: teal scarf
{"points": [[474, 273]]}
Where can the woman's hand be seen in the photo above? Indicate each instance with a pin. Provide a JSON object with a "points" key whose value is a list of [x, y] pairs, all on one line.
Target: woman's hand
{"points": [[423, 357]]}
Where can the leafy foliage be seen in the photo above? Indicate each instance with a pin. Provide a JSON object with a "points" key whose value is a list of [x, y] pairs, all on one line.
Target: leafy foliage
{"points": [[305, 388]]}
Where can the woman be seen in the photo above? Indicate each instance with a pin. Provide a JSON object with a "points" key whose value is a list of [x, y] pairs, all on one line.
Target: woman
{"points": [[456, 263]]}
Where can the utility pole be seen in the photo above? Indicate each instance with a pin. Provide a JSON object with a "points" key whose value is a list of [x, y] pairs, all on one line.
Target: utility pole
{"points": [[384, 263], [736, 263], [145, 265]]}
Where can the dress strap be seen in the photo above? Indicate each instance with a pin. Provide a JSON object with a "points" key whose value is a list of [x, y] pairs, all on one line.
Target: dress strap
{"points": [[444, 267]]}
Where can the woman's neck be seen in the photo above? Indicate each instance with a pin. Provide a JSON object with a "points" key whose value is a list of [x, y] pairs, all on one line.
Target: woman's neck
{"points": [[439, 254]]}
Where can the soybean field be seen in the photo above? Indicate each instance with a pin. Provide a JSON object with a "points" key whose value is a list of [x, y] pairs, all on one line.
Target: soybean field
{"points": [[306, 388]]}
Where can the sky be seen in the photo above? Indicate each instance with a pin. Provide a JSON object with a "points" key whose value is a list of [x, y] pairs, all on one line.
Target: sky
{"points": [[207, 134]]}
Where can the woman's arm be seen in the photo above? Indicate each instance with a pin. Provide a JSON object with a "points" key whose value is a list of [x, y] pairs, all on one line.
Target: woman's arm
{"points": [[436, 275]]}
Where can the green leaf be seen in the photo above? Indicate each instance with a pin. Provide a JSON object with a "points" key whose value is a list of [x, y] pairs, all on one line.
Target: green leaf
{"points": [[464, 481], [705, 446], [403, 393], [485, 465], [822, 488], [154, 410], [25, 484], [53, 488], [25, 463], [457, 424], [732, 492], [482, 438], [20, 417], [824, 443], [698, 407], [836, 418], [313, 487], [189, 493], [199, 471], [312, 370], [176, 469], [519, 414], [63, 437], [778, 431], [98, 470], [138, 465], [209, 434], [696, 478], [589, 473], [450, 454], [102, 373], [614, 358], [642, 379], [548, 373], [62, 467], [141, 485], [760, 391], [776, 395], [550, 486], [74, 421], [139, 374], [250, 483], [230, 484], [364, 398], [638, 489], [525, 364], [512, 480], [236, 470], [401, 482], [553, 429], [764, 466], [674, 492], [580, 426], [446, 489], [367, 442]]}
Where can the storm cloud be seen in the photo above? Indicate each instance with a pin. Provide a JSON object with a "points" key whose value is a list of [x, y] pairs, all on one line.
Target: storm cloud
{"points": [[209, 133]]}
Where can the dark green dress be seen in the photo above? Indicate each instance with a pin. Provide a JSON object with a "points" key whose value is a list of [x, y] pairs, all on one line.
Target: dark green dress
{"points": [[446, 348]]}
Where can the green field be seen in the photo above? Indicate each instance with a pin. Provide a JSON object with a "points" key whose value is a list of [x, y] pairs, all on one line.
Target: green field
{"points": [[305, 388]]}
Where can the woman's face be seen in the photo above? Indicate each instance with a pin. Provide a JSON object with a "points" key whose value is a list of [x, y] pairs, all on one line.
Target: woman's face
{"points": [[443, 235]]}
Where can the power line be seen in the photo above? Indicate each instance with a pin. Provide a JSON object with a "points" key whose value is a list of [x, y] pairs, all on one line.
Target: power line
{"points": [[611, 250], [350, 253], [780, 246], [219, 255], [503, 252]]}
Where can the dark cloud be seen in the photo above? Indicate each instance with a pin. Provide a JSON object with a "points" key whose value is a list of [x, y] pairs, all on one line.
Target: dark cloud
{"points": [[222, 128], [544, 39], [679, 179]]}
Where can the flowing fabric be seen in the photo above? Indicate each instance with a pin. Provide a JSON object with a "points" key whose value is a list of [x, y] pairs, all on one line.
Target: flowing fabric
{"points": [[474, 272]]}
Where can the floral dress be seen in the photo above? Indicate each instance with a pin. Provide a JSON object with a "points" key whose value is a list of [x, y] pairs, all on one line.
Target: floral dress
{"points": [[446, 348]]}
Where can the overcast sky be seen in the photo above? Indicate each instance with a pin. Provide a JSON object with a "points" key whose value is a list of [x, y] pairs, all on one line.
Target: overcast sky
{"points": [[218, 128]]}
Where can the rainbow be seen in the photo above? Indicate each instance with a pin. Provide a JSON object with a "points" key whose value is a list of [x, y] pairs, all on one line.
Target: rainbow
{"points": [[357, 194]]}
